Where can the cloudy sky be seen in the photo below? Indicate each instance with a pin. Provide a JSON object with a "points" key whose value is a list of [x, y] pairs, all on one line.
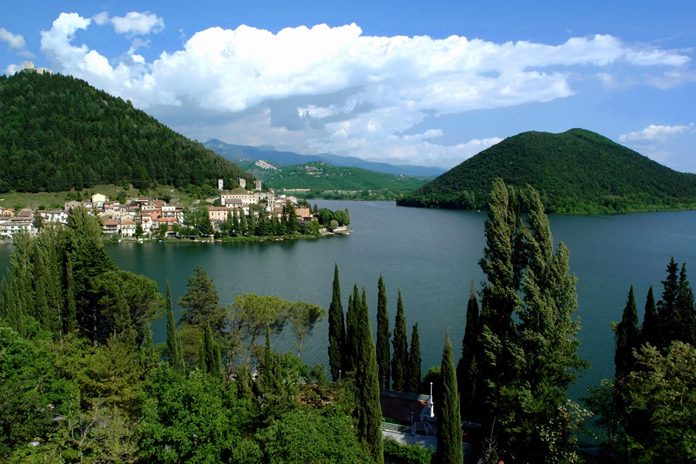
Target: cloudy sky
{"points": [[419, 82]]}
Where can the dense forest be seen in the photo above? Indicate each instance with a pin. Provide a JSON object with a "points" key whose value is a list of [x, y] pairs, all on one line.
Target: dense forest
{"points": [[82, 381], [576, 171], [58, 133]]}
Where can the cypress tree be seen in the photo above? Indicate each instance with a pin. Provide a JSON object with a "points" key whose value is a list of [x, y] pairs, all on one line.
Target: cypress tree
{"points": [[499, 295], [208, 359], [351, 345], [467, 375], [400, 343], [148, 345], [413, 379], [243, 226], [43, 313], [649, 331], [234, 222], [337, 330], [449, 427], [251, 224], [383, 355], [217, 359], [244, 382], [532, 355], [51, 242], [12, 310], [368, 410], [627, 338], [20, 298], [70, 316], [174, 353]]}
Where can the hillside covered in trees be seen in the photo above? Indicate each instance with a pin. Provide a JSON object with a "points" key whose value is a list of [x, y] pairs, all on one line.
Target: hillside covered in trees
{"points": [[577, 171], [60, 133], [326, 181]]}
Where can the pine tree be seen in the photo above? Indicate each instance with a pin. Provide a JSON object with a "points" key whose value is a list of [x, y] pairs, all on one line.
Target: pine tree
{"points": [[413, 378], [627, 338], [400, 344], [337, 330], [449, 428], [649, 331], [201, 302], [174, 353], [667, 306], [368, 411], [85, 249], [467, 375], [685, 312], [383, 355]]}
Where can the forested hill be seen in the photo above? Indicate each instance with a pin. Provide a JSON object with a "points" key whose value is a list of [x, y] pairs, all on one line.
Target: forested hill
{"points": [[59, 133], [576, 171]]}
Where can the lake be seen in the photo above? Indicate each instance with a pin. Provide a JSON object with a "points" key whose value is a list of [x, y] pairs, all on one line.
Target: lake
{"points": [[432, 257]]}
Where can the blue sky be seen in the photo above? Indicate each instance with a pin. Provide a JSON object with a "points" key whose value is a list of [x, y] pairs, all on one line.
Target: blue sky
{"points": [[428, 83]]}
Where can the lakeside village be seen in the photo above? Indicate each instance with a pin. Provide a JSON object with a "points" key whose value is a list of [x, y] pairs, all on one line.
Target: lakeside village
{"points": [[234, 213]]}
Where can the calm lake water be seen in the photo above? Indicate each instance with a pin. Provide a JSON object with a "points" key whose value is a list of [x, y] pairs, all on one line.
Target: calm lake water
{"points": [[432, 257]]}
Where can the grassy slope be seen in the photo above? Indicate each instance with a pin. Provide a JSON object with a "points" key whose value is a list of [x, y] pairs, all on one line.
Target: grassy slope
{"points": [[577, 171]]}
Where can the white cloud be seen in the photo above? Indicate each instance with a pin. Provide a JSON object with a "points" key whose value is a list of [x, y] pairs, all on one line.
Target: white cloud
{"points": [[387, 85], [15, 41], [655, 132], [13, 69], [137, 23], [101, 18]]}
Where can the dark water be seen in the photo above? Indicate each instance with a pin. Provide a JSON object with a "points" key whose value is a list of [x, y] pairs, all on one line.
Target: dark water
{"points": [[432, 257]]}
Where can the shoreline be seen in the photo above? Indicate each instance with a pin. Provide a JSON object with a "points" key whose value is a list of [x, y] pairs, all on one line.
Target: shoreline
{"points": [[223, 240]]}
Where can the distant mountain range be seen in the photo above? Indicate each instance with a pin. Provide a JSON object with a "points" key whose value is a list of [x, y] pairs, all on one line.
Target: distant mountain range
{"points": [[241, 153], [577, 171]]}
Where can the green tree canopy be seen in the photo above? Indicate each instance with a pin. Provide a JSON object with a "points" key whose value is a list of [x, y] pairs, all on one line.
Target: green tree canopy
{"points": [[201, 302]]}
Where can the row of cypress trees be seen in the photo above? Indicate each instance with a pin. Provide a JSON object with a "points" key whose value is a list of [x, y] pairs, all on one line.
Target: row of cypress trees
{"points": [[519, 352], [398, 366], [351, 351]]}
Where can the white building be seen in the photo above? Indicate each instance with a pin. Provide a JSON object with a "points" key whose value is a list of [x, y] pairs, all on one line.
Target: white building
{"points": [[98, 200], [16, 225]]}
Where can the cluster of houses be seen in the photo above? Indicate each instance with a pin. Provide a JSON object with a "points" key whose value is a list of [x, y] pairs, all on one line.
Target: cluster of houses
{"points": [[151, 215]]}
